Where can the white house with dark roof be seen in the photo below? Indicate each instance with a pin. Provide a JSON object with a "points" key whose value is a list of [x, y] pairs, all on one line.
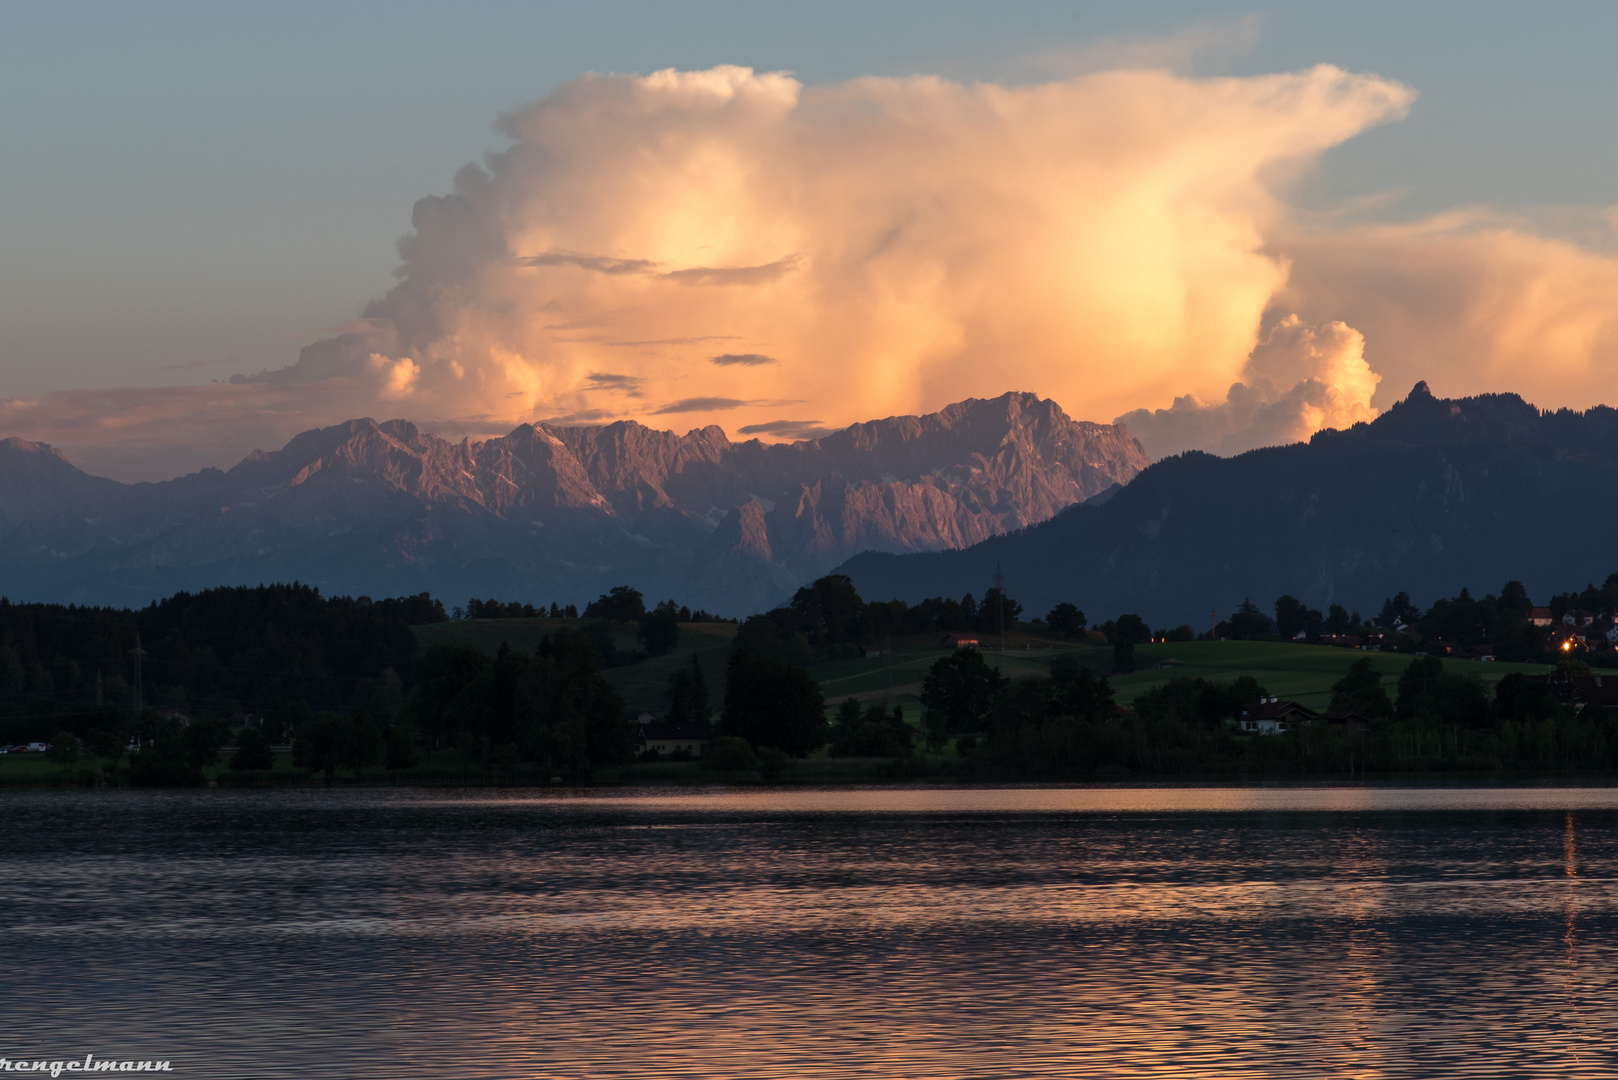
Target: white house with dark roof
{"points": [[1271, 716]]}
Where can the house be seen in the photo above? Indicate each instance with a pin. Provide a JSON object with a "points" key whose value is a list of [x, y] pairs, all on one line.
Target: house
{"points": [[1481, 652], [173, 714], [1612, 635], [694, 738], [1578, 618], [959, 641], [1346, 720], [1565, 639], [1540, 616], [1271, 716], [1581, 691], [1342, 641]]}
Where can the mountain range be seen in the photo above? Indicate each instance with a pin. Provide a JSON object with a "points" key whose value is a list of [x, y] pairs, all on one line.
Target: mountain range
{"points": [[553, 513], [1432, 496]]}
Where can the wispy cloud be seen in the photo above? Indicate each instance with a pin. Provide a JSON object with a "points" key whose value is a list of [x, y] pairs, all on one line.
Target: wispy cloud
{"points": [[583, 416], [600, 264], [699, 404], [762, 274], [734, 275], [743, 359], [675, 341], [629, 385], [1197, 46], [789, 429]]}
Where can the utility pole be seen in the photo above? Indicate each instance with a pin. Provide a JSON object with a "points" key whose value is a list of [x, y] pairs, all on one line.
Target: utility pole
{"points": [[888, 690], [1000, 606], [137, 652]]}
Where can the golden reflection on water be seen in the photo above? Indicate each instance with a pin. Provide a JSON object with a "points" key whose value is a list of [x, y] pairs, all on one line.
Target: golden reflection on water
{"points": [[807, 935], [1087, 800], [1570, 870]]}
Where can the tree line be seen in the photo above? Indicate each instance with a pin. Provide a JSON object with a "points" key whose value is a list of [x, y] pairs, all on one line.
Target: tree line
{"points": [[1500, 621], [214, 653]]}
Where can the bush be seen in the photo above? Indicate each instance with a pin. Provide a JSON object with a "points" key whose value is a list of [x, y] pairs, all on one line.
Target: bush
{"points": [[401, 752], [252, 752], [731, 753], [152, 768], [772, 762], [64, 749], [870, 732]]}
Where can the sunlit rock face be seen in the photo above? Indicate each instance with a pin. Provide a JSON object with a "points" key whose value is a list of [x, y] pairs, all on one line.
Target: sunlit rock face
{"points": [[557, 513]]}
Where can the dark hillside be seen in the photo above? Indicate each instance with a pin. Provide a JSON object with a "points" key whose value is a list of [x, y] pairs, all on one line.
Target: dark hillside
{"points": [[1433, 496]]}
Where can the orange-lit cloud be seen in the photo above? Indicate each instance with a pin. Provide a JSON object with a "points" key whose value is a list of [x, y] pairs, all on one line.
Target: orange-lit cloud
{"points": [[875, 247], [1470, 301], [732, 247], [1298, 380]]}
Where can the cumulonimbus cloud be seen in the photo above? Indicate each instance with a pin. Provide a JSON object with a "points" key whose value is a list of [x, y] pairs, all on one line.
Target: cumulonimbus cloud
{"points": [[731, 246], [1298, 380], [890, 244]]}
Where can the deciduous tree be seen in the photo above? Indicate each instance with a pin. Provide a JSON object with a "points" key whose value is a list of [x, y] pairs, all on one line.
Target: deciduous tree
{"points": [[769, 702]]}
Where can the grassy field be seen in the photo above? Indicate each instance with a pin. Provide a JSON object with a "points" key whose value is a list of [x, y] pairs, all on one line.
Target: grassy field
{"points": [[1301, 673], [39, 769]]}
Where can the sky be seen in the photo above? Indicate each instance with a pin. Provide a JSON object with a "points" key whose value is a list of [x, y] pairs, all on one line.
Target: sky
{"points": [[1227, 226]]}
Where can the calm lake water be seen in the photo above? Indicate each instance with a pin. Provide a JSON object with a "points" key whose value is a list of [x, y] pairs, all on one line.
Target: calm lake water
{"points": [[1367, 932]]}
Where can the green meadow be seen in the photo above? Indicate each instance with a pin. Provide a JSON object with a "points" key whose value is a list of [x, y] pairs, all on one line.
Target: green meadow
{"points": [[1301, 673]]}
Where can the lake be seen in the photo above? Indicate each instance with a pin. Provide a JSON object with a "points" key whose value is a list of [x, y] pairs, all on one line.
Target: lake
{"points": [[1184, 932]]}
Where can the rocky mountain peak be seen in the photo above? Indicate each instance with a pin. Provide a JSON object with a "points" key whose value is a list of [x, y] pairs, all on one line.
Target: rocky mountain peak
{"points": [[549, 512], [14, 445]]}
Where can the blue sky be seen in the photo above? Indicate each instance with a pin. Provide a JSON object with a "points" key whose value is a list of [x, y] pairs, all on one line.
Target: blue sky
{"points": [[196, 190]]}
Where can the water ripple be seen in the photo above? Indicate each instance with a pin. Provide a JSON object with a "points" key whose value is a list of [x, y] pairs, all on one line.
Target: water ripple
{"points": [[908, 933]]}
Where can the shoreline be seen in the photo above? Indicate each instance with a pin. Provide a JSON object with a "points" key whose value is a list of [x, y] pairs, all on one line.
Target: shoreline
{"points": [[1425, 780]]}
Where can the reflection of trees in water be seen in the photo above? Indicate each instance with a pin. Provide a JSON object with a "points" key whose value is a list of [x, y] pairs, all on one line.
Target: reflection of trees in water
{"points": [[1570, 871]]}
